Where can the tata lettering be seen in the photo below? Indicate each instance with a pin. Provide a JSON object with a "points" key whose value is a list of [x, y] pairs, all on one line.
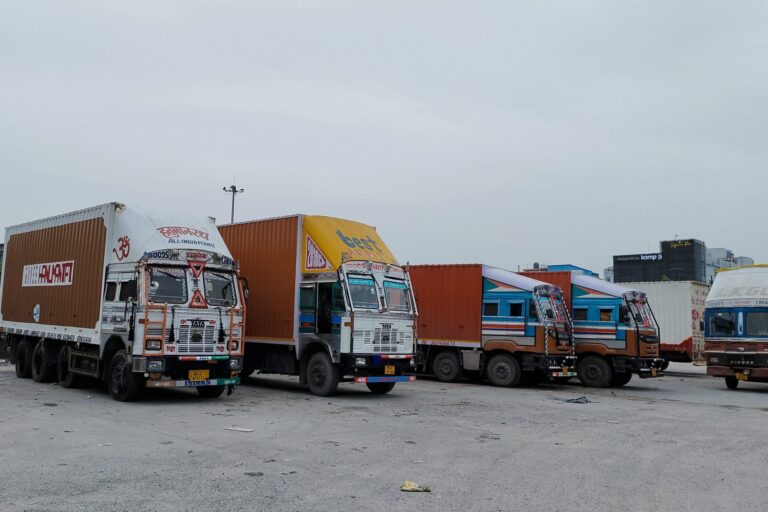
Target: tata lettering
{"points": [[58, 273], [369, 244]]}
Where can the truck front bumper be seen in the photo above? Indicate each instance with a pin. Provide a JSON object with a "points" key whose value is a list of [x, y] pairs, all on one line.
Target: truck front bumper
{"points": [[189, 371], [371, 368], [741, 373]]}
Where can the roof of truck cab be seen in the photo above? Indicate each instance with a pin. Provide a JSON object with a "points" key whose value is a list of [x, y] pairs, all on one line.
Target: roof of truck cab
{"points": [[511, 278], [599, 285]]}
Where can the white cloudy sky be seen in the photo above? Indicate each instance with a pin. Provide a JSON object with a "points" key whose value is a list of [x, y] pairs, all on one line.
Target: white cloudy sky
{"points": [[503, 132]]}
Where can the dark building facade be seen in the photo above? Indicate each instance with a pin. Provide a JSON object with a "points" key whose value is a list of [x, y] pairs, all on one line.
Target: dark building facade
{"points": [[679, 260]]}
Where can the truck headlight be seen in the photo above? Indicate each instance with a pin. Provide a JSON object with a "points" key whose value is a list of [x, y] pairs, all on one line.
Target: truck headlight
{"points": [[360, 361], [154, 345], [156, 365], [235, 363]]}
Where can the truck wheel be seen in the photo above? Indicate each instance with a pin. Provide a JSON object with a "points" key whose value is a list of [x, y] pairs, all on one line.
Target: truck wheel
{"points": [[621, 379], [665, 365], [732, 382], [503, 370], [380, 388], [594, 372], [210, 391], [23, 360], [43, 369], [322, 375], [66, 377], [124, 385], [446, 367]]}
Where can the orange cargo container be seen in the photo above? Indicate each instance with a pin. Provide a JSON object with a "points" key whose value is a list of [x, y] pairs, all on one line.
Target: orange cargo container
{"points": [[449, 298], [268, 253], [490, 322], [559, 279]]}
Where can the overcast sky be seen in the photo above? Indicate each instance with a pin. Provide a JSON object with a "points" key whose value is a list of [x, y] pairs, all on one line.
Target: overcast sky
{"points": [[498, 132]]}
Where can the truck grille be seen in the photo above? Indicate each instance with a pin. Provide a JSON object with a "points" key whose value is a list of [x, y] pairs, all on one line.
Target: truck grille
{"points": [[196, 340], [381, 340]]}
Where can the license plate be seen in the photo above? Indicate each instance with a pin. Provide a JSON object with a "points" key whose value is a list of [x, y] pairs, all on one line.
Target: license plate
{"points": [[653, 371], [741, 376], [389, 370], [199, 375]]}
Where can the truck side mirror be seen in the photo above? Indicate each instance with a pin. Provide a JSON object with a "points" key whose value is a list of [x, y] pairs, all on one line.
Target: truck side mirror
{"points": [[246, 289]]}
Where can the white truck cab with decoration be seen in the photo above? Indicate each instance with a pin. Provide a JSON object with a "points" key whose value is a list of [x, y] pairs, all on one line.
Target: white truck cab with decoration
{"points": [[157, 301]]}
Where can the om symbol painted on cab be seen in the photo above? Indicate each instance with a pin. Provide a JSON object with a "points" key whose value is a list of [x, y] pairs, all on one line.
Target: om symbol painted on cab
{"points": [[123, 248]]}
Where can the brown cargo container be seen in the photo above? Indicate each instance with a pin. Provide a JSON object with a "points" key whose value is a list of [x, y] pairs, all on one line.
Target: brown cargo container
{"points": [[449, 299], [75, 305], [268, 253], [561, 279]]}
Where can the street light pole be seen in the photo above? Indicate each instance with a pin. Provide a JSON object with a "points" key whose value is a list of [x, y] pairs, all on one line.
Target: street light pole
{"points": [[234, 191]]}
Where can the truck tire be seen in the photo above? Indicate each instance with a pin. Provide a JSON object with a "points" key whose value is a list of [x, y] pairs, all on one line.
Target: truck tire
{"points": [[446, 367], [43, 368], [621, 379], [594, 372], [665, 365], [322, 375], [503, 370], [124, 385], [66, 378], [23, 360], [731, 382], [210, 391], [380, 388]]}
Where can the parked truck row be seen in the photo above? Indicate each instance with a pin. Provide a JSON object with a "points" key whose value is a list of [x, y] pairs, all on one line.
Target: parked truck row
{"points": [[136, 298]]}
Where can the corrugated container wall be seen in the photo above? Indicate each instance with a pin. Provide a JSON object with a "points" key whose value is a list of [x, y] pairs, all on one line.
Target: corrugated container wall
{"points": [[76, 305], [679, 308], [267, 252], [449, 299], [561, 279]]}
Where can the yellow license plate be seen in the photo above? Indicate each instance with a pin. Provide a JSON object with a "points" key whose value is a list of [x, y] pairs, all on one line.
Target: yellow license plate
{"points": [[741, 376], [653, 371], [389, 370], [199, 375]]}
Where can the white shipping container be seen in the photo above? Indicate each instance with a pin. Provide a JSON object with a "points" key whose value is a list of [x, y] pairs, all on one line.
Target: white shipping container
{"points": [[679, 310]]}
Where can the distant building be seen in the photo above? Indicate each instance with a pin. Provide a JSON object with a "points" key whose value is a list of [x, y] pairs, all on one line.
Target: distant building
{"points": [[608, 274], [678, 260], [724, 258]]}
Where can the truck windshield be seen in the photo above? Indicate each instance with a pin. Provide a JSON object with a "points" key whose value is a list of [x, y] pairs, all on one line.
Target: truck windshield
{"points": [[219, 288], [362, 291], [168, 285], [722, 323], [396, 295]]}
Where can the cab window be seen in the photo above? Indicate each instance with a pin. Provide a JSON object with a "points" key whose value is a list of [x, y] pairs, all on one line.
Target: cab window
{"points": [[757, 324], [111, 291], [580, 314], [722, 323]]}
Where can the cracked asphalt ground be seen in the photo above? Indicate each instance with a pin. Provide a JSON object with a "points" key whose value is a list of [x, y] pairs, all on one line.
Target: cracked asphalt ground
{"points": [[673, 443]]}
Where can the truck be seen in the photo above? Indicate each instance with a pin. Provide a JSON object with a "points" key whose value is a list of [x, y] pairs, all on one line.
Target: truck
{"points": [[679, 309], [480, 321], [736, 325], [614, 327], [329, 302], [124, 295]]}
